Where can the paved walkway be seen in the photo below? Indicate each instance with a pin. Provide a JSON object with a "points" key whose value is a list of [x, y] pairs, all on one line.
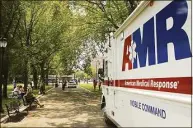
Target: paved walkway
{"points": [[69, 108]]}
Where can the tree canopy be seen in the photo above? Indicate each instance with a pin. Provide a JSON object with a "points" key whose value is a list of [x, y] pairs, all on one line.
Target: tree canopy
{"points": [[57, 37]]}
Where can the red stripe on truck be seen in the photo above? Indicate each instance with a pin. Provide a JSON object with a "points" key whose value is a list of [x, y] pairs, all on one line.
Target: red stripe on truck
{"points": [[181, 85]]}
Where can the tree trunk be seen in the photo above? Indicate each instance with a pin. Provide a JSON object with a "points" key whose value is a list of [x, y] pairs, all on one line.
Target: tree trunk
{"points": [[35, 77], [47, 76], [42, 73], [1, 80], [5, 72], [25, 75], [56, 83], [42, 77]]}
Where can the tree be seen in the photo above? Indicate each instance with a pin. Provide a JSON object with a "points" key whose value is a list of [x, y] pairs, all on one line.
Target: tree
{"points": [[99, 19], [55, 36], [49, 37], [80, 74], [9, 26]]}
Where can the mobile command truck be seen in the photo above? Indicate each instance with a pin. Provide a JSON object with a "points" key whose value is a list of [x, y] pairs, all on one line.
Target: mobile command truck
{"points": [[148, 78]]}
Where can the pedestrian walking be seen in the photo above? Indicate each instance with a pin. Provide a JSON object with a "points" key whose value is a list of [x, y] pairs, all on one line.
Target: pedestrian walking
{"points": [[94, 84], [65, 84]]}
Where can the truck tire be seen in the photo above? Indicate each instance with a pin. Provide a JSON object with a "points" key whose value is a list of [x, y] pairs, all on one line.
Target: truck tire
{"points": [[106, 119], [103, 108]]}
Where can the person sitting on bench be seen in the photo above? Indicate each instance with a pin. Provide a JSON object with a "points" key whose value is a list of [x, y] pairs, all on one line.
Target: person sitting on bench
{"points": [[29, 97], [16, 91], [22, 92]]}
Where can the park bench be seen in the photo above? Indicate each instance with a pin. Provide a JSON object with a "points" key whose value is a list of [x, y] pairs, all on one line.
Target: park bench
{"points": [[14, 108], [14, 94], [28, 102]]}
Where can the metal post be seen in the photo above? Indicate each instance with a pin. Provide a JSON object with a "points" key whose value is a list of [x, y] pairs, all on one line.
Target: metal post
{"points": [[1, 108], [1, 79]]}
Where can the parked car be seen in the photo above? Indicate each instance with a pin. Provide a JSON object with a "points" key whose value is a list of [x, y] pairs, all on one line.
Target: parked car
{"points": [[72, 83]]}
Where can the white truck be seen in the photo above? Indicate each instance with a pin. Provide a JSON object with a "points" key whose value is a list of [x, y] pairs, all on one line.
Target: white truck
{"points": [[148, 67]]}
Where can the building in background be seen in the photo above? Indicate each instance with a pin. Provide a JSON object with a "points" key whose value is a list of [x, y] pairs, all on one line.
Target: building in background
{"points": [[97, 62]]}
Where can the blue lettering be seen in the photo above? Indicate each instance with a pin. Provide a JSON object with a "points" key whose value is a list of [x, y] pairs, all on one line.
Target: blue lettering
{"points": [[159, 112], [145, 44], [145, 41], [178, 10], [139, 105], [135, 103], [148, 108], [155, 111], [163, 114], [143, 108]]}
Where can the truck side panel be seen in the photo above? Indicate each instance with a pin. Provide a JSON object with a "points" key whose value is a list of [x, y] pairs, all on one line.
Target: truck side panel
{"points": [[151, 72]]}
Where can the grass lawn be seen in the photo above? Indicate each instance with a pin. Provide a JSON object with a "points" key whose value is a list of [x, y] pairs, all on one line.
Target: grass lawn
{"points": [[10, 89], [90, 87]]}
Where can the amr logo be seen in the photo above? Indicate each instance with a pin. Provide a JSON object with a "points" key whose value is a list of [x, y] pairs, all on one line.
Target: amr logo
{"points": [[140, 47]]}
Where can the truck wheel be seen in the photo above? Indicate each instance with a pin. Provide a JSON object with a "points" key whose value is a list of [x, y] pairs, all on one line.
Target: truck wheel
{"points": [[106, 119], [103, 108]]}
